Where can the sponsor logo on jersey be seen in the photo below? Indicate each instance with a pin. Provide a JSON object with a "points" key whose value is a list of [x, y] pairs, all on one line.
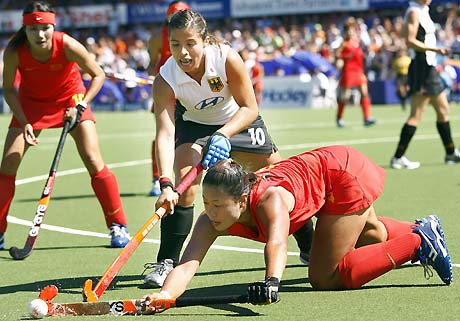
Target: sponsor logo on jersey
{"points": [[215, 84], [208, 102]]}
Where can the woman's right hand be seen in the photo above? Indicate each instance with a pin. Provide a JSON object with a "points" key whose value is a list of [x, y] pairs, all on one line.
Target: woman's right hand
{"points": [[157, 302], [29, 135], [168, 199]]}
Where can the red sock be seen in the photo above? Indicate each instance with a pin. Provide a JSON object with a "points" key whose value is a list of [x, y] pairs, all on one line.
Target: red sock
{"points": [[7, 188], [105, 187], [396, 228], [340, 109], [369, 262], [366, 107], [155, 172]]}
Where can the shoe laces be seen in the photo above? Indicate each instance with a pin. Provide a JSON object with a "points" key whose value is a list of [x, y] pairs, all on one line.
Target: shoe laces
{"points": [[117, 231], [427, 271], [159, 266]]}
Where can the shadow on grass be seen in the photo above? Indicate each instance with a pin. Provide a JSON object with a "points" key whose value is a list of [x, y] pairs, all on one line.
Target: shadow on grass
{"points": [[76, 197]]}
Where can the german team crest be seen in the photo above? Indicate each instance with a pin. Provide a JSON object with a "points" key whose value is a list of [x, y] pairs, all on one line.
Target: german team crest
{"points": [[215, 84]]}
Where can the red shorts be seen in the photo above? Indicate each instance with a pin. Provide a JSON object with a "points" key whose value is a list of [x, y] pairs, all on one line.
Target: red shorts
{"points": [[352, 79], [353, 181], [44, 115]]}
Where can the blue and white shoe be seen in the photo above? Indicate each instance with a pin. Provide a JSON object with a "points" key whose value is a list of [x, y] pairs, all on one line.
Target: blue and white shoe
{"points": [[119, 234], [2, 241], [433, 250], [155, 191]]}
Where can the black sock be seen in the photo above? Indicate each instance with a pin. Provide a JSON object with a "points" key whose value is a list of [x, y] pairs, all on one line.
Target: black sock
{"points": [[407, 132], [174, 230], [304, 237], [446, 137]]}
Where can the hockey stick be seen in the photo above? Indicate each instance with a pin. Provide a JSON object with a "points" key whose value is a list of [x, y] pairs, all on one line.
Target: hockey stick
{"points": [[20, 254], [91, 295], [122, 77], [130, 306]]}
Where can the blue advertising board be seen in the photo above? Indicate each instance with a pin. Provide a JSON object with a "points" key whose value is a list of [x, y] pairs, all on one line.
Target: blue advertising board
{"points": [[155, 12]]}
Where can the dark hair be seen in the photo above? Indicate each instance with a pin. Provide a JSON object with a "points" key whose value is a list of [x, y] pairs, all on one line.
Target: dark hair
{"points": [[189, 19], [35, 6], [229, 177]]}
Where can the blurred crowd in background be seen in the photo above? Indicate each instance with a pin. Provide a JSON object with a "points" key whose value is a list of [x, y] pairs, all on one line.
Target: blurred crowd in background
{"points": [[275, 41]]}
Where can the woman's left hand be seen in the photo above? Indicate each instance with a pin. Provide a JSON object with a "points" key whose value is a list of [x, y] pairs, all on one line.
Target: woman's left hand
{"points": [[29, 135]]}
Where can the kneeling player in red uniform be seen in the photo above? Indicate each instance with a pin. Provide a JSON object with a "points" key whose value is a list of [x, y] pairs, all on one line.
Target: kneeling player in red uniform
{"points": [[338, 185]]}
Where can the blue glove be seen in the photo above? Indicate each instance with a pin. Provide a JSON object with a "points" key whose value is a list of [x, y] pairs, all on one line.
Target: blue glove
{"points": [[217, 148], [264, 292]]}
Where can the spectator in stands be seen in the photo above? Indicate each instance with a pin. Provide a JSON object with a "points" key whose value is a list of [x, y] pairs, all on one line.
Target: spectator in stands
{"points": [[425, 85], [256, 72], [352, 75]]}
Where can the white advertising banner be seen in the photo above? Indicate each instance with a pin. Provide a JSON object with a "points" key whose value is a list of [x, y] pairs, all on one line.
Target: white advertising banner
{"points": [[286, 92], [253, 8], [81, 16], [96, 16]]}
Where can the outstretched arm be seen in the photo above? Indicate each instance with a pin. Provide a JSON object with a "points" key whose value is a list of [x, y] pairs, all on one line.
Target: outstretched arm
{"points": [[203, 236], [273, 210]]}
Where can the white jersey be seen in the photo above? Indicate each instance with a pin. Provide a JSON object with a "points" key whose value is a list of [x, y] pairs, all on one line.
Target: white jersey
{"points": [[426, 31], [209, 102]]}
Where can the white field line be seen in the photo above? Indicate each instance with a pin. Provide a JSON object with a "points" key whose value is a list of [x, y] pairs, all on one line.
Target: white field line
{"points": [[362, 141], [15, 220]]}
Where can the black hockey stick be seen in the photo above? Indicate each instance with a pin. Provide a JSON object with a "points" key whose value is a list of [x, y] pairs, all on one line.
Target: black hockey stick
{"points": [[20, 254]]}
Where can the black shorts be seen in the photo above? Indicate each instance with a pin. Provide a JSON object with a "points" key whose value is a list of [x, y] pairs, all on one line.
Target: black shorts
{"points": [[253, 139], [423, 79]]}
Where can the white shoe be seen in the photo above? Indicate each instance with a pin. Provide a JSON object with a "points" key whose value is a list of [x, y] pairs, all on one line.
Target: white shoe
{"points": [[403, 163], [157, 277]]}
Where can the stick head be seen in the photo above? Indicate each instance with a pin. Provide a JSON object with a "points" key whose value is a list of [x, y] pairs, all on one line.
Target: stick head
{"points": [[88, 294], [18, 254], [47, 294]]}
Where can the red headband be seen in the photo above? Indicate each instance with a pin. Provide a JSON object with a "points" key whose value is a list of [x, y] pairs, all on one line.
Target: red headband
{"points": [[179, 6], [39, 18]]}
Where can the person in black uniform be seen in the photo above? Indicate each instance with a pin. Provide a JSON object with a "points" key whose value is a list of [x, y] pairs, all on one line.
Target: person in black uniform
{"points": [[425, 85]]}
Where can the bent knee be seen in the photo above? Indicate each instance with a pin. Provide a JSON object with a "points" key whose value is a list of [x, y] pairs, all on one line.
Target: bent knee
{"points": [[325, 281]]}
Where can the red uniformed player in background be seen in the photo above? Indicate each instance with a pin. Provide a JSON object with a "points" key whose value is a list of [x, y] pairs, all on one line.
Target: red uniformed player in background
{"points": [[338, 185], [50, 88], [352, 75], [159, 52]]}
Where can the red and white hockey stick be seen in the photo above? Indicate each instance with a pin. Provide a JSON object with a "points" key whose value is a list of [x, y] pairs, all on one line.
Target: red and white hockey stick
{"points": [[130, 306], [122, 77], [20, 254], [91, 295]]}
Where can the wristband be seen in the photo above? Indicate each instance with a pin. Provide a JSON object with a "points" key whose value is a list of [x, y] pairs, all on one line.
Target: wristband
{"points": [[166, 182], [165, 294], [83, 104]]}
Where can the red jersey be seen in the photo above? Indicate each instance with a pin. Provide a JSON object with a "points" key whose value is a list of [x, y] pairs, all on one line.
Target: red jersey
{"points": [[47, 89], [335, 180], [353, 70]]}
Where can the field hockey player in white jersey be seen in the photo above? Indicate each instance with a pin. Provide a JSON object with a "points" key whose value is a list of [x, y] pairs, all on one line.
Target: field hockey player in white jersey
{"points": [[205, 111]]}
